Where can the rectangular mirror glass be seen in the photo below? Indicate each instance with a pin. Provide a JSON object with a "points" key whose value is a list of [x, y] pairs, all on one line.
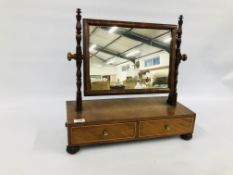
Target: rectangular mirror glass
{"points": [[128, 58]]}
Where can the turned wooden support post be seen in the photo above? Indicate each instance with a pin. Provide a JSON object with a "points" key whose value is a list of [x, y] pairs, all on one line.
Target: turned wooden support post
{"points": [[172, 98], [78, 58], [78, 61]]}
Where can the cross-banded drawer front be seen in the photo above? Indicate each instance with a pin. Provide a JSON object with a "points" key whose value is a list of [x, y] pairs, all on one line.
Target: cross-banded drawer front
{"points": [[103, 132], [161, 127]]}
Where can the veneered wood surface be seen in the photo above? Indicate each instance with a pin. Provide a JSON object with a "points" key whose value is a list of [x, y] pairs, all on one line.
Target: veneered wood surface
{"points": [[103, 132], [163, 127], [127, 109]]}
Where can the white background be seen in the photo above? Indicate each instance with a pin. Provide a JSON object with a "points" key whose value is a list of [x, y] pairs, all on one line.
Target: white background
{"points": [[36, 80]]}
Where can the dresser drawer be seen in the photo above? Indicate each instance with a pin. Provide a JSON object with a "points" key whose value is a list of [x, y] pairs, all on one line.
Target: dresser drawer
{"points": [[103, 132], [161, 127]]}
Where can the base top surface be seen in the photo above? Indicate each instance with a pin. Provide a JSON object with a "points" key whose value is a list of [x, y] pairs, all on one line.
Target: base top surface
{"points": [[125, 109]]}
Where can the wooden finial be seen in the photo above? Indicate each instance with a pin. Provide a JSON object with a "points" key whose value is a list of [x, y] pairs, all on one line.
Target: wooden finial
{"points": [[180, 22], [78, 35], [182, 57], [179, 32], [79, 14]]}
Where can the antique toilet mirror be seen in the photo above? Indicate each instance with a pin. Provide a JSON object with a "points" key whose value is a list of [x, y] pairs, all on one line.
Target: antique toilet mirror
{"points": [[128, 57], [121, 57]]}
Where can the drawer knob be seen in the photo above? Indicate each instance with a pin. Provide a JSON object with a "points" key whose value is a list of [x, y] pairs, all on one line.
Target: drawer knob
{"points": [[167, 127], [105, 133]]}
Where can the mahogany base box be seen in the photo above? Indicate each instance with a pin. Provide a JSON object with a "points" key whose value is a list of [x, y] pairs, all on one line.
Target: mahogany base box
{"points": [[126, 119]]}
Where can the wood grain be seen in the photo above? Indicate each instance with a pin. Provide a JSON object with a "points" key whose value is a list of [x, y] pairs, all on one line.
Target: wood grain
{"points": [[104, 132], [117, 120], [127, 109], [162, 127]]}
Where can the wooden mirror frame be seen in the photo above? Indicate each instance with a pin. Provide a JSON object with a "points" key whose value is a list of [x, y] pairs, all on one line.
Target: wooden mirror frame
{"points": [[175, 58], [109, 23]]}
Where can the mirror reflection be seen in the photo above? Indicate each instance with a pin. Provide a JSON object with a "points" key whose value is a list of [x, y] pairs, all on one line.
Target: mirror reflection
{"points": [[128, 58]]}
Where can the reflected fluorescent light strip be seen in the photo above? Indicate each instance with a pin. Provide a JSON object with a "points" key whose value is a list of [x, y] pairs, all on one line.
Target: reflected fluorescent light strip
{"points": [[113, 29], [93, 46], [110, 61], [134, 52], [167, 40]]}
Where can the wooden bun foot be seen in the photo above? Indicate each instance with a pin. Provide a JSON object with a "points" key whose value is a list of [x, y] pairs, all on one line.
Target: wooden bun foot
{"points": [[186, 136], [72, 149]]}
